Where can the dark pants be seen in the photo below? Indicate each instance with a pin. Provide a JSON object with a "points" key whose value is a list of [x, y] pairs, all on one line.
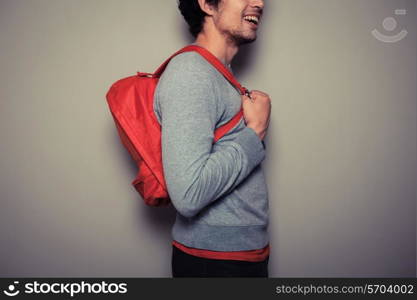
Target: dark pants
{"points": [[186, 265]]}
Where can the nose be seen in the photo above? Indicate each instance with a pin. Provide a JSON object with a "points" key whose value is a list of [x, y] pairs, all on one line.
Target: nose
{"points": [[258, 3]]}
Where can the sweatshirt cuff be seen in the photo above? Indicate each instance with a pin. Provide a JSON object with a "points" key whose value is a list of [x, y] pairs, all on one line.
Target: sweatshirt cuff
{"points": [[252, 146]]}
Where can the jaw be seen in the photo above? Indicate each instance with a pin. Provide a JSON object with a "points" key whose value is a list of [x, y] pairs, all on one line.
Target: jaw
{"points": [[241, 37]]}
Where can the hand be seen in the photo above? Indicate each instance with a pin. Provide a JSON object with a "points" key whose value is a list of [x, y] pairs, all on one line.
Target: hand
{"points": [[257, 111]]}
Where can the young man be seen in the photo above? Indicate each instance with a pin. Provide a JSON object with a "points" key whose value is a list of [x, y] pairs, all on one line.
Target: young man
{"points": [[218, 190]]}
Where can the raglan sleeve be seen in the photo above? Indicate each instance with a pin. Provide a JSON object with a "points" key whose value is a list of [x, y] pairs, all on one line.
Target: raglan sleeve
{"points": [[195, 174]]}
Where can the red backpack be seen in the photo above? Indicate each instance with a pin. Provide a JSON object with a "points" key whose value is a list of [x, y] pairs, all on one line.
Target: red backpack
{"points": [[131, 103]]}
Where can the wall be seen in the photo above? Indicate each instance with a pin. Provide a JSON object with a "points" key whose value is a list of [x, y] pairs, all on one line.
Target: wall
{"points": [[341, 162]]}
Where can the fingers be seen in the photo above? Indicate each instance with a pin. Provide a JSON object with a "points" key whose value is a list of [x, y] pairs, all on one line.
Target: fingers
{"points": [[255, 93]]}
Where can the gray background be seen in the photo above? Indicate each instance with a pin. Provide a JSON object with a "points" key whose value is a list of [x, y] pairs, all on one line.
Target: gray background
{"points": [[341, 163]]}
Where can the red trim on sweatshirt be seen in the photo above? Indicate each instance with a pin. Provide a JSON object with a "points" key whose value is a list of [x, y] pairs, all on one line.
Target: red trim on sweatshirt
{"points": [[250, 255]]}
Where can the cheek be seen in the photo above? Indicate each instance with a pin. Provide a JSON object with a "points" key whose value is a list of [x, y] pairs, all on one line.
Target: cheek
{"points": [[230, 20], [236, 20]]}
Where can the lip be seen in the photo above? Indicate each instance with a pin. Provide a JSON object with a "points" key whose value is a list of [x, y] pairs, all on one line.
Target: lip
{"points": [[253, 14], [252, 25], [258, 15]]}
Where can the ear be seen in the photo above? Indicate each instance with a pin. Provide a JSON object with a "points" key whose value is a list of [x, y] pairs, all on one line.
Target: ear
{"points": [[205, 7]]}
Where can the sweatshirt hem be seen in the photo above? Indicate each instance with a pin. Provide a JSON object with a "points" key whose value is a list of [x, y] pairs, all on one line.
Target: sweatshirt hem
{"points": [[220, 238]]}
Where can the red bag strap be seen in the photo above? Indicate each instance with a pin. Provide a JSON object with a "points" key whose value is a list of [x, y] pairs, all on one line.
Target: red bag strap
{"points": [[221, 131], [211, 59]]}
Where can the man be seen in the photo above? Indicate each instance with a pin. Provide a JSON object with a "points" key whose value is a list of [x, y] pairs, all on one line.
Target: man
{"points": [[218, 190]]}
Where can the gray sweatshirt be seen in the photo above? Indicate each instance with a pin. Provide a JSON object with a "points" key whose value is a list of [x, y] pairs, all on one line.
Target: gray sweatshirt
{"points": [[219, 191]]}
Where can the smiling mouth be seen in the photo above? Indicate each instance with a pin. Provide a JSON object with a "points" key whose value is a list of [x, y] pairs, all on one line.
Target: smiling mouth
{"points": [[252, 19]]}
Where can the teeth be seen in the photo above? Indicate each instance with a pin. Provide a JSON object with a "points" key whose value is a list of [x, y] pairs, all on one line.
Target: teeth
{"points": [[252, 19]]}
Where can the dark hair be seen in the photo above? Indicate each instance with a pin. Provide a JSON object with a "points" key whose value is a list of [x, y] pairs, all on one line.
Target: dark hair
{"points": [[193, 15]]}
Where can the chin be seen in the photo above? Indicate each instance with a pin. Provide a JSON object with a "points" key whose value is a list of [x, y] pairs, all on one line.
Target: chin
{"points": [[245, 40], [241, 38]]}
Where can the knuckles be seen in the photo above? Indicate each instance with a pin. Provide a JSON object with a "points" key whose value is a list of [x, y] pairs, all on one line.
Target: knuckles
{"points": [[261, 95]]}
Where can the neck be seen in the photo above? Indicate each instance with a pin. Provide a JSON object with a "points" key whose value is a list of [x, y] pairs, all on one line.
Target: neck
{"points": [[218, 45]]}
